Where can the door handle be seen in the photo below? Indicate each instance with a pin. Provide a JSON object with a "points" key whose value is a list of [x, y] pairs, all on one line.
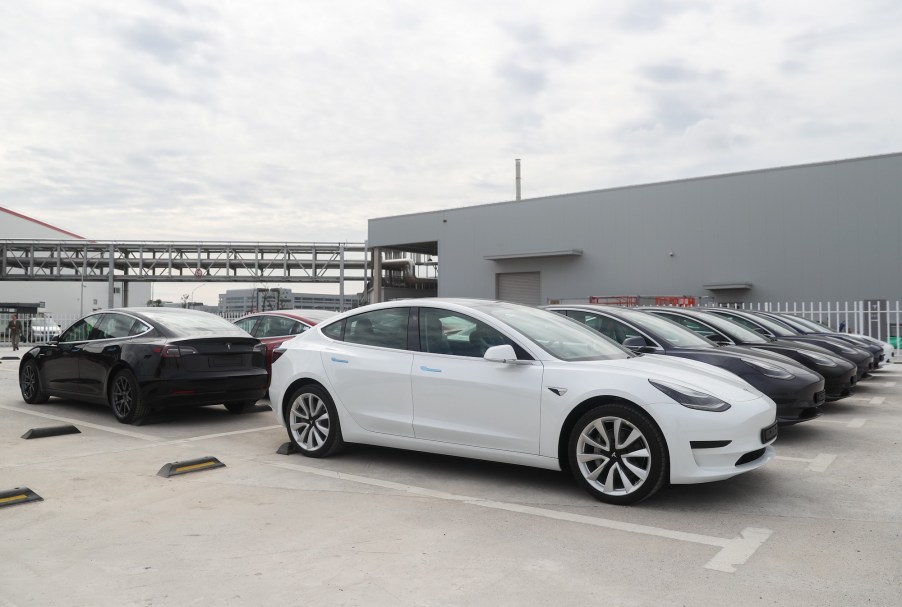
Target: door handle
{"points": [[339, 360], [429, 369]]}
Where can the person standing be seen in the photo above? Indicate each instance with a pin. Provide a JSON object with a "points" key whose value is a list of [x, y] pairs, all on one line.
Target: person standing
{"points": [[14, 326]]}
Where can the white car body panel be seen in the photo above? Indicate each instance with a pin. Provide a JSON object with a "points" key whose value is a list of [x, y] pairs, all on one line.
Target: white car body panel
{"points": [[506, 412]]}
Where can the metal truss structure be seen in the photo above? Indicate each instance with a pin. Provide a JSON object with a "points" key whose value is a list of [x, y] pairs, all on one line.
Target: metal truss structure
{"points": [[149, 261]]}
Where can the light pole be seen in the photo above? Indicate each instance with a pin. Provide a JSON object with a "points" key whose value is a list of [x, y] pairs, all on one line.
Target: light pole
{"points": [[192, 292]]}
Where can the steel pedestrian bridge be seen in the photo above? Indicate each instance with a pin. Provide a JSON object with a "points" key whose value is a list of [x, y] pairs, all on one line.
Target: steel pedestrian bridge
{"points": [[158, 261]]}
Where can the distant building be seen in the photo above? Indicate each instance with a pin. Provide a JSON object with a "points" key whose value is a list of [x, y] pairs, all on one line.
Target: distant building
{"points": [[64, 300], [245, 301]]}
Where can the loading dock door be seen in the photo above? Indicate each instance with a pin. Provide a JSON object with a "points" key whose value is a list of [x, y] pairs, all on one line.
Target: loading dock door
{"points": [[518, 287]]}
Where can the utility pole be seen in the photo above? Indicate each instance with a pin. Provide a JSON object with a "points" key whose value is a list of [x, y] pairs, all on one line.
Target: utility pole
{"points": [[518, 178]]}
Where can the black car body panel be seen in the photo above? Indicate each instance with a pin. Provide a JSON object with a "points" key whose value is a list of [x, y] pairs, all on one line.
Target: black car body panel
{"points": [[857, 342], [798, 396], [862, 359], [177, 358], [839, 374]]}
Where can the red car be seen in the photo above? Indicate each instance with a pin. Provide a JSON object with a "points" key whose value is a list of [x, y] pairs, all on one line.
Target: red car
{"points": [[276, 327]]}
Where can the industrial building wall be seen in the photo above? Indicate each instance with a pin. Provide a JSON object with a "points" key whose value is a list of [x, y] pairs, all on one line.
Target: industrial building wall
{"points": [[829, 231]]}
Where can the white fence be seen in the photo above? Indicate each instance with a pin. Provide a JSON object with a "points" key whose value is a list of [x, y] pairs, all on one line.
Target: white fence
{"points": [[877, 318]]}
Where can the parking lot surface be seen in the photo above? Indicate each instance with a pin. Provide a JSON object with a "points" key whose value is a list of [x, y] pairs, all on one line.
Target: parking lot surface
{"points": [[819, 525]]}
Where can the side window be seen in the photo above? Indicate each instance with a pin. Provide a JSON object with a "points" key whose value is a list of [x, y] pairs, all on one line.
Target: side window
{"points": [[278, 326], [247, 324], [81, 330], [112, 326], [695, 327], [610, 327], [138, 328], [446, 332], [335, 330], [745, 323], [385, 328]]}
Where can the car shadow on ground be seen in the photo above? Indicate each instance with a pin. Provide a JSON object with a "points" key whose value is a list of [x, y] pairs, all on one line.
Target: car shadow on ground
{"points": [[215, 415]]}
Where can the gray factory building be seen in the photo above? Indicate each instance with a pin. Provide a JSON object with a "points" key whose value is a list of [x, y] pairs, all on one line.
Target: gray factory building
{"points": [[829, 231]]}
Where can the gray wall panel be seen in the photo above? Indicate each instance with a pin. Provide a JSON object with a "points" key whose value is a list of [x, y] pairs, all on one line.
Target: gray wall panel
{"points": [[830, 231]]}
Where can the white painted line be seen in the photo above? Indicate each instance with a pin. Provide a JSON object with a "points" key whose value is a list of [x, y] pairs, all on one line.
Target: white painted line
{"points": [[114, 430], [819, 464], [858, 422], [877, 400], [206, 436], [78, 422], [890, 384], [733, 552]]}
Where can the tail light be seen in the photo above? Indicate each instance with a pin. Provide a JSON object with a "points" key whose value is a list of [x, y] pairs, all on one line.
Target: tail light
{"points": [[177, 351], [277, 353]]}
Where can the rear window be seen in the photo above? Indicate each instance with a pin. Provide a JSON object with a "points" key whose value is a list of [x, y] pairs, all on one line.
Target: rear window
{"points": [[192, 322]]}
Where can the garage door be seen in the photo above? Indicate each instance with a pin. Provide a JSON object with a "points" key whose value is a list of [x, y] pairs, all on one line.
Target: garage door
{"points": [[518, 287]]}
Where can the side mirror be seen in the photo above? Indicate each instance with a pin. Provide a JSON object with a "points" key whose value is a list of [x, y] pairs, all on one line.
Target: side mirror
{"points": [[55, 339], [634, 343], [762, 331], [500, 354]]}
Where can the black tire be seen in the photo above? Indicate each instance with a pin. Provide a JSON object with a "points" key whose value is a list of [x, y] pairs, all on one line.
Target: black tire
{"points": [[312, 422], [618, 454], [239, 407], [30, 384], [125, 399]]}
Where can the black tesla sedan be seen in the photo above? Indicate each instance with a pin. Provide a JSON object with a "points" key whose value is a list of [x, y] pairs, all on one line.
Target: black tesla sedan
{"points": [[803, 328], [138, 360], [839, 374], [797, 391], [771, 328]]}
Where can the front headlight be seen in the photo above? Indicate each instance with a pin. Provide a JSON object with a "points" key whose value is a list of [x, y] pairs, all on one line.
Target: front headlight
{"points": [[689, 397], [769, 369], [819, 359]]}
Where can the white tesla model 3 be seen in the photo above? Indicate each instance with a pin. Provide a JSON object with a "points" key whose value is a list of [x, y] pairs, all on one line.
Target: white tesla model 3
{"points": [[510, 383]]}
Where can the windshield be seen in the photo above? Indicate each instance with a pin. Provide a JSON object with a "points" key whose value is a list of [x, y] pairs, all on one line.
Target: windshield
{"points": [[561, 337], [674, 335], [734, 330], [775, 328], [190, 322], [808, 325]]}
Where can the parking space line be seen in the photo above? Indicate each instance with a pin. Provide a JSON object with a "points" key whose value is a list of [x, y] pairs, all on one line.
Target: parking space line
{"points": [[877, 400], [820, 463], [733, 552], [206, 436], [858, 422], [81, 423]]}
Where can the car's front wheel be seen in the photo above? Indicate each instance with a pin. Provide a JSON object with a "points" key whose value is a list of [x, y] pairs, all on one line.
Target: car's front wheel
{"points": [[125, 399], [30, 384], [312, 422], [618, 454]]}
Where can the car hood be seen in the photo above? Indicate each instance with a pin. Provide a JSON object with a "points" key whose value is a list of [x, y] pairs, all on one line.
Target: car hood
{"points": [[693, 374]]}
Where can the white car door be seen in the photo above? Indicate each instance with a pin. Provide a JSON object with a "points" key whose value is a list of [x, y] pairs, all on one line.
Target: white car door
{"points": [[461, 398], [369, 369]]}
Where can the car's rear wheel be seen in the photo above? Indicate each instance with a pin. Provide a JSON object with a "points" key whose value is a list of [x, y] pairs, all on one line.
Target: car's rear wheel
{"points": [[312, 422], [30, 384], [618, 454], [125, 399]]}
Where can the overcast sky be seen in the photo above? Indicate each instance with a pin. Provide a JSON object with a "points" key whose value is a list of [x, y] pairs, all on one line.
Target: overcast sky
{"points": [[298, 120]]}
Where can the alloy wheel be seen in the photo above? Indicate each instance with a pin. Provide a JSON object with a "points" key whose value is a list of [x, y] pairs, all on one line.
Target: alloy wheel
{"points": [[29, 382], [123, 396], [613, 456], [308, 421]]}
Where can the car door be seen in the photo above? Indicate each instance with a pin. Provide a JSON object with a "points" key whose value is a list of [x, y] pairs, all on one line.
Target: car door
{"points": [[60, 363], [368, 366], [461, 398], [102, 351]]}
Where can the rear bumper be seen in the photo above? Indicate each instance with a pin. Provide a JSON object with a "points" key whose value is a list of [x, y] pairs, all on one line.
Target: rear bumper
{"points": [[190, 392]]}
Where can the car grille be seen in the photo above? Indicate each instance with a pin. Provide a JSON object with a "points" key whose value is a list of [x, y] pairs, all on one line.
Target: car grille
{"points": [[820, 397]]}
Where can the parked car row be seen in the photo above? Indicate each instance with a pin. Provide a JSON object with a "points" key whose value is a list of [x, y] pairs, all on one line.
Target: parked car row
{"points": [[625, 399]]}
